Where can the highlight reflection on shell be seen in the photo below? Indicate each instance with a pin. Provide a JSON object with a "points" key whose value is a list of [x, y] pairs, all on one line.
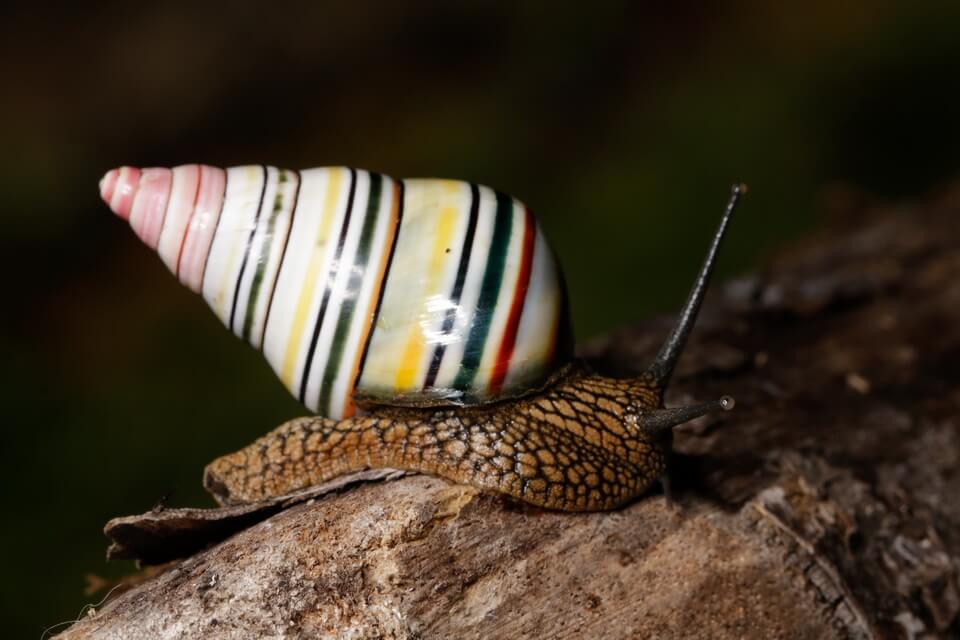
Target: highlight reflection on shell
{"points": [[358, 287]]}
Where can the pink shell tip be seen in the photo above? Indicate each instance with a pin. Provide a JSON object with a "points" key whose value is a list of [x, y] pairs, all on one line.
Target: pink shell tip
{"points": [[107, 184], [117, 188]]}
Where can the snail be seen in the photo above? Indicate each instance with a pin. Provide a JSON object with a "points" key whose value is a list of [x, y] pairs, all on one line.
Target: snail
{"points": [[425, 321]]}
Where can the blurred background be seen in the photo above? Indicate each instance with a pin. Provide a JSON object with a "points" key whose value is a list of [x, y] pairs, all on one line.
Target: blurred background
{"points": [[621, 125]]}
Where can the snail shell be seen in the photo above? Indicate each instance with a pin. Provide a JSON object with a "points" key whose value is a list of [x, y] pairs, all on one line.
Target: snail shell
{"points": [[359, 288]]}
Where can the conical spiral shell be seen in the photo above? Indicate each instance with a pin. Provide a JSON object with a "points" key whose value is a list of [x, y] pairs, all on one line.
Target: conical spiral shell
{"points": [[359, 288]]}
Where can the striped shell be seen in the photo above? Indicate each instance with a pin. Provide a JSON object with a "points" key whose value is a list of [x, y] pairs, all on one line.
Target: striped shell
{"points": [[359, 288]]}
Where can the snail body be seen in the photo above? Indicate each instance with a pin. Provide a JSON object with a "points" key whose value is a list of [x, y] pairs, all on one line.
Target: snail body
{"points": [[424, 320]]}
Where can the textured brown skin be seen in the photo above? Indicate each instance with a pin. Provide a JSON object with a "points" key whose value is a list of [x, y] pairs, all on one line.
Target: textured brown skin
{"points": [[575, 446]]}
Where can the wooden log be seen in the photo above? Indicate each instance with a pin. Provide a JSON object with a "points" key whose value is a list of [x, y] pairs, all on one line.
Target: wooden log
{"points": [[827, 505]]}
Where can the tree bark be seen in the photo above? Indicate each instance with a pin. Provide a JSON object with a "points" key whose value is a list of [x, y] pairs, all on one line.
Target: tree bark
{"points": [[826, 505]]}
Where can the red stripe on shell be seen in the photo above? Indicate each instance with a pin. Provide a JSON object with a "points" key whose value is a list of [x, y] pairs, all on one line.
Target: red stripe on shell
{"points": [[505, 354]]}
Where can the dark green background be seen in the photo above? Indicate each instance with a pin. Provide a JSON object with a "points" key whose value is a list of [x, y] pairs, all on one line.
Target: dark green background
{"points": [[622, 126]]}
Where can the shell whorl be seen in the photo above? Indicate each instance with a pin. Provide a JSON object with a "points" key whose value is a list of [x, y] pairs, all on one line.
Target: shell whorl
{"points": [[357, 287]]}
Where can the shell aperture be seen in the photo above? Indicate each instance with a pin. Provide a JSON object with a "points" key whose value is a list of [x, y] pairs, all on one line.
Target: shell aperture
{"points": [[357, 287]]}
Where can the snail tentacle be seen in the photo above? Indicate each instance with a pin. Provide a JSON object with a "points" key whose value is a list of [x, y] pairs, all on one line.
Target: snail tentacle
{"points": [[661, 420], [666, 360]]}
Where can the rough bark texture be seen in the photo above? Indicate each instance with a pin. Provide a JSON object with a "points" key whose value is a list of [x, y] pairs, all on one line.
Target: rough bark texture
{"points": [[826, 505]]}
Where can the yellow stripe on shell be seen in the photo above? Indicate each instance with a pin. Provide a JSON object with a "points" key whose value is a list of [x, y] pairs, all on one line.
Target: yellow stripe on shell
{"points": [[410, 363], [412, 309], [313, 271]]}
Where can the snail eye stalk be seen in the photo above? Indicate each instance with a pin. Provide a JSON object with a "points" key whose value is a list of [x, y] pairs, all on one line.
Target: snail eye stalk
{"points": [[661, 420], [663, 365]]}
